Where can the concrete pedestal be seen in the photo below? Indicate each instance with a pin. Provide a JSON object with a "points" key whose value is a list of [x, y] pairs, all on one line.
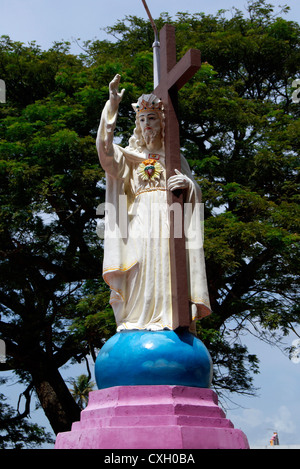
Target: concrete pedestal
{"points": [[152, 417]]}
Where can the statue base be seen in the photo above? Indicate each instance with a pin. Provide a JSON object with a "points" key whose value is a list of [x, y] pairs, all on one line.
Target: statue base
{"points": [[132, 358], [152, 417]]}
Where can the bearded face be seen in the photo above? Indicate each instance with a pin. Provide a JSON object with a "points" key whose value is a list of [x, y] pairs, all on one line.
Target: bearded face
{"points": [[150, 135], [151, 127]]}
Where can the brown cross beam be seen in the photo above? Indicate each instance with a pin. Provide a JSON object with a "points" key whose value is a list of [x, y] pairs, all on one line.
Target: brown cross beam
{"points": [[173, 76]]}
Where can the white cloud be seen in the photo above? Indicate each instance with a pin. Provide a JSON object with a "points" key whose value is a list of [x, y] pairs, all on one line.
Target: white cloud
{"points": [[250, 417], [259, 427], [282, 421]]}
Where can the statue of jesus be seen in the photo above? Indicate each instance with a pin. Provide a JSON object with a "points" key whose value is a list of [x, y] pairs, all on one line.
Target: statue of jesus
{"points": [[136, 265]]}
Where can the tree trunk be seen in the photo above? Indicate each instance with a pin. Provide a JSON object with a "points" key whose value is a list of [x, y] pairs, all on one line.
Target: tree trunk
{"points": [[55, 398]]}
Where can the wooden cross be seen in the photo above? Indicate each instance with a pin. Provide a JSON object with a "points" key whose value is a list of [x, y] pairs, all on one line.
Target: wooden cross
{"points": [[173, 76]]}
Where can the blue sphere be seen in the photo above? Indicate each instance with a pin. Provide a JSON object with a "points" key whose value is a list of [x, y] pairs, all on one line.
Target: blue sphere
{"points": [[132, 358]]}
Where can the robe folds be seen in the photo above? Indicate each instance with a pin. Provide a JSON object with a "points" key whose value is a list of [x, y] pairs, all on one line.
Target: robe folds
{"points": [[136, 263]]}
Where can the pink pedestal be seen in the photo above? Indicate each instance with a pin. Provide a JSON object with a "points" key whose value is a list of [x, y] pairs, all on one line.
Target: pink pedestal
{"points": [[152, 417]]}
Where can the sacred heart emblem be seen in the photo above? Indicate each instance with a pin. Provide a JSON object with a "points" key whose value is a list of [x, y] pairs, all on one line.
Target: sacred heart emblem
{"points": [[150, 169]]}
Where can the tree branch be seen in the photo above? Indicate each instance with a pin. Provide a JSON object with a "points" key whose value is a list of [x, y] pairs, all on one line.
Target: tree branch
{"points": [[242, 283]]}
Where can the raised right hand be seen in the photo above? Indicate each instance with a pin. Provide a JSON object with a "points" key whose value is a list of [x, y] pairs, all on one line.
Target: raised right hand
{"points": [[114, 96]]}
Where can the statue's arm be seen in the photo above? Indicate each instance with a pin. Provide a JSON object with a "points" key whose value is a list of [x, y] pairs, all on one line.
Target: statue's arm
{"points": [[104, 141]]}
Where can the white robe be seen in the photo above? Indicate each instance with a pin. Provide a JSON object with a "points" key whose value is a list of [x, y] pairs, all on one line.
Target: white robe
{"points": [[136, 262]]}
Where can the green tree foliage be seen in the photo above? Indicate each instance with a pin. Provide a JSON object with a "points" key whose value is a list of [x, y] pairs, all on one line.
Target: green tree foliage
{"points": [[240, 134], [49, 194], [81, 388]]}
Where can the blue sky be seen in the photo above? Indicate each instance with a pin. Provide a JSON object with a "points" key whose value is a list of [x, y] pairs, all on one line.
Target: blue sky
{"points": [[277, 406], [52, 20]]}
